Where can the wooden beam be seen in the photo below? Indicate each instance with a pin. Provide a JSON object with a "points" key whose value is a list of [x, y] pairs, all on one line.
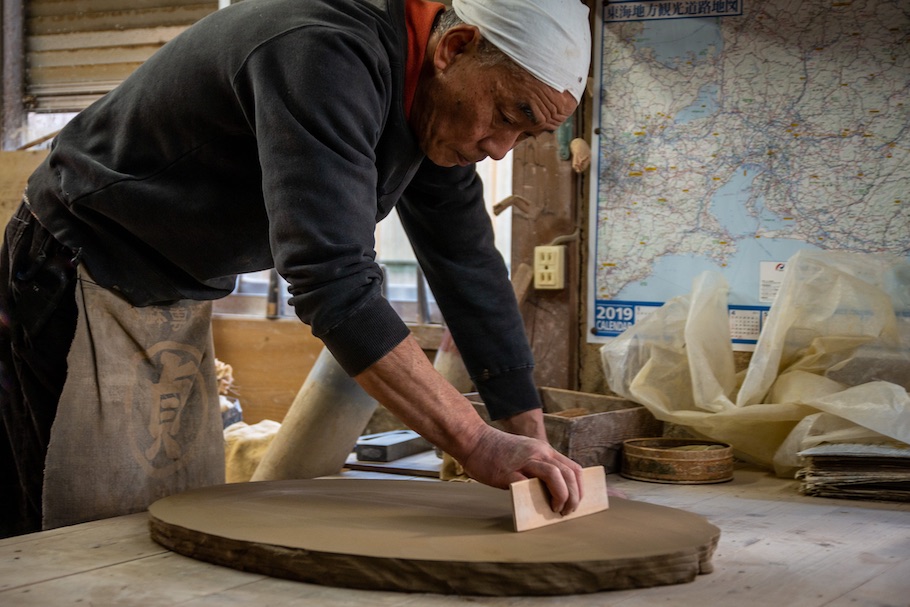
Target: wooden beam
{"points": [[12, 111]]}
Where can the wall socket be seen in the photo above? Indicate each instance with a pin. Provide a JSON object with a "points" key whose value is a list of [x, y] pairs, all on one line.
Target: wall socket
{"points": [[550, 267]]}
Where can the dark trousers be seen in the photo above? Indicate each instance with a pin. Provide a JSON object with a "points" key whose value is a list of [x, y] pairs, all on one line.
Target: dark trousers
{"points": [[37, 323]]}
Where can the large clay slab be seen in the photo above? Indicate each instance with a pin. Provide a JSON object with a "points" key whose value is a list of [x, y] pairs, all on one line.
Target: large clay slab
{"points": [[452, 538]]}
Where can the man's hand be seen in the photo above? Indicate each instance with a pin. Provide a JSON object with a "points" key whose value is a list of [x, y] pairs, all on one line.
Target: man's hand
{"points": [[407, 384], [530, 423], [499, 459]]}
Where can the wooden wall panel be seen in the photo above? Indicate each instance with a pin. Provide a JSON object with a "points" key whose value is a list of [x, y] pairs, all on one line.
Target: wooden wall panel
{"points": [[271, 360], [15, 168], [78, 50]]}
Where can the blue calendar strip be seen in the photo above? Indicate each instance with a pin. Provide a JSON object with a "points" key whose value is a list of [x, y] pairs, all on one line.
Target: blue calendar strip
{"points": [[611, 318]]}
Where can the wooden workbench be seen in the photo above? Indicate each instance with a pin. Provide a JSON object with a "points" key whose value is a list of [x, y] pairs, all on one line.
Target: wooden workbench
{"points": [[777, 548]]}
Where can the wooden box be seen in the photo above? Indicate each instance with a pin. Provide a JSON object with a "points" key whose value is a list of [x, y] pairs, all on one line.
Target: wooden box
{"points": [[590, 428]]}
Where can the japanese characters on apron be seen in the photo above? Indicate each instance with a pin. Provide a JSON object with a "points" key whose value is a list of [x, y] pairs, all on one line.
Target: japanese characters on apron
{"points": [[139, 417]]}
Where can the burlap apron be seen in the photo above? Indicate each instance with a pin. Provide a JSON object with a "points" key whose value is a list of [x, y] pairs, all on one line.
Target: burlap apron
{"points": [[139, 417]]}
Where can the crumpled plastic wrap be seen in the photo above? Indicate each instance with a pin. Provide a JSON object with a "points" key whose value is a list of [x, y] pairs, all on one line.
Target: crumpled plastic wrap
{"points": [[836, 341]]}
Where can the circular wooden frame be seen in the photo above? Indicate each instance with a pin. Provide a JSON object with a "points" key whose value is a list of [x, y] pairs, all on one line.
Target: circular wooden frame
{"points": [[449, 538], [660, 460]]}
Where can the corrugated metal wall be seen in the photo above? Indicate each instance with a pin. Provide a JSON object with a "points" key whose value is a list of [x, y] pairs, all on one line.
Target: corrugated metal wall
{"points": [[78, 50]]}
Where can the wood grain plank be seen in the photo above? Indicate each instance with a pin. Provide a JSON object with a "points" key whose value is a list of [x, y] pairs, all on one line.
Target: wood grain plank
{"points": [[780, 547], [46, 8], [270, 358], [531, 501], [94, 56], [68, 551], [64, 42], [15, 168], [160, 580], [776, 546], [118, 19], [880, 590]]}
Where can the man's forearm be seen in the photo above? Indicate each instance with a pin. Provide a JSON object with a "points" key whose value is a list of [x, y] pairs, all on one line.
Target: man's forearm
{"points": [[406, 383], [529, 423]]}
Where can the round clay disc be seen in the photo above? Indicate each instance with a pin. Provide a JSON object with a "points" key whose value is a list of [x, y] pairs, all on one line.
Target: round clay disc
{"points": [[451, 538]]}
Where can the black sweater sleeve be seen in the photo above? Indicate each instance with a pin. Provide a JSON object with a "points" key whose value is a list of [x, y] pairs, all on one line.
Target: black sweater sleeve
{"points": [[443, 214], [319, 182]]}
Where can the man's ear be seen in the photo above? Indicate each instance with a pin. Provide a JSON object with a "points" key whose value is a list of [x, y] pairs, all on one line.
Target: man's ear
{"points": [[453, 43]]}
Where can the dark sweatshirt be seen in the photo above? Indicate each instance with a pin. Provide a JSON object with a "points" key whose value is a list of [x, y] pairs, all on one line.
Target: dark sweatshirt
{"points": [[272, 133]]}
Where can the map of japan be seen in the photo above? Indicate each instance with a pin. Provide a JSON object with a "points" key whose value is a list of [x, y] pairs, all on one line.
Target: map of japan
{"points": [[729, 135]]}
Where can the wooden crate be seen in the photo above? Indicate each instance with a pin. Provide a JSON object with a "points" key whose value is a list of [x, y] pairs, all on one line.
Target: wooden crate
{"points": [[590, 428]]}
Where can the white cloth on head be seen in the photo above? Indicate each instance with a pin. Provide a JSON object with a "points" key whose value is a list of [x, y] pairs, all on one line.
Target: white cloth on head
{"points": [[551, 39]]}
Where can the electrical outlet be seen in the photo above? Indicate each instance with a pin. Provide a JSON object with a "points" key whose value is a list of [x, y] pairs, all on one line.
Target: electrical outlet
{"points": [[550, 267]]}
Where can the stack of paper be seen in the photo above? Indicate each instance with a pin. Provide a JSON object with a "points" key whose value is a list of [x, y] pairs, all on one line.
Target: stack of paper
{"points": [[857, 471]]}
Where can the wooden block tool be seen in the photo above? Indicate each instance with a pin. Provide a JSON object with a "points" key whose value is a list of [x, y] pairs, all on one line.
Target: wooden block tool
{"points": [[531, 500]]}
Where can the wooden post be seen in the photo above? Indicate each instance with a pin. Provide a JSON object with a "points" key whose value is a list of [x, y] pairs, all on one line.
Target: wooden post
{"points": [[13, 81], [551, 316]]}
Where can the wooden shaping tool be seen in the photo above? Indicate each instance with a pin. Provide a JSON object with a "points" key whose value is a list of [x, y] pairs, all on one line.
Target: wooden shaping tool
{"points": [[531, 501]]}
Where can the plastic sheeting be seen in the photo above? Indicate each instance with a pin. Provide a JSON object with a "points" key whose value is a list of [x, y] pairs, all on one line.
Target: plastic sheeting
{"points": [[836, 341]]}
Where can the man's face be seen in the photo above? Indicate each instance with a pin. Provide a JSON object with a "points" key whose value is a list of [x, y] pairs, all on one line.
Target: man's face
{"points": [[467, 111]]}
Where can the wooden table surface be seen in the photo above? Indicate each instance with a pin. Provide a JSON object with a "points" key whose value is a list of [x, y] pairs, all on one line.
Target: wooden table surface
{"points": [[777, 548]]}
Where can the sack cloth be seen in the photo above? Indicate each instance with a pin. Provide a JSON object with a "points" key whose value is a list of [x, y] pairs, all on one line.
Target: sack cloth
{"points": [[139, 417]]}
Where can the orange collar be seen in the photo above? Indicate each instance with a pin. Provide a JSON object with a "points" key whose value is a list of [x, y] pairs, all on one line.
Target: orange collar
{"points": [[419, 17]]}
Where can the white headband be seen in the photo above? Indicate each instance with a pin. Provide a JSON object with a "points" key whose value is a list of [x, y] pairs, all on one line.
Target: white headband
{"points": [[551, 39]]}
